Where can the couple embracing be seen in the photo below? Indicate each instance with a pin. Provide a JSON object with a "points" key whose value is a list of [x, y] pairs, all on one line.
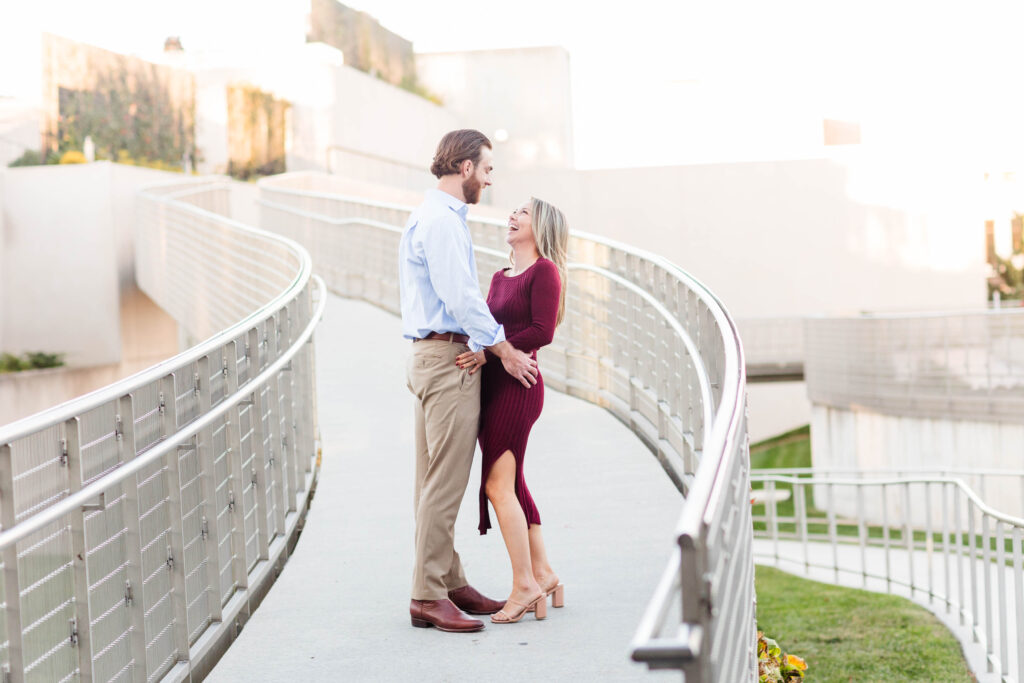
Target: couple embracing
{"points": [[473, 371]]}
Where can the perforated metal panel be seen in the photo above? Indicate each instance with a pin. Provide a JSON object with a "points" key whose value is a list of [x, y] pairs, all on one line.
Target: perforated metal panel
{"points": [[120, 585]]}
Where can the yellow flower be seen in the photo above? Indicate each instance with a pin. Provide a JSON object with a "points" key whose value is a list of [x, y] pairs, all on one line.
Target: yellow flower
{"points": [[797, 662]]}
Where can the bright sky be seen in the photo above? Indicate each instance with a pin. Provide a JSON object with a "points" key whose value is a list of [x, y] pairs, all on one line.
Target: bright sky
{"points": [[665, 81]]}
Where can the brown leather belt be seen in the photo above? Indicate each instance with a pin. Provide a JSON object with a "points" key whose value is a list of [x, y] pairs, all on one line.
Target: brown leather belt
{"points": [[446, 336]]}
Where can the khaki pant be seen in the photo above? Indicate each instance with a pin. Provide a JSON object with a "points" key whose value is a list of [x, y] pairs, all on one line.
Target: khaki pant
{"points": [[447, 418]]}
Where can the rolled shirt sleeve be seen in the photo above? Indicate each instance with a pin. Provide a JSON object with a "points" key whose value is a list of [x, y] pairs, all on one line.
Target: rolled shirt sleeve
{"points": [[448, 252]]}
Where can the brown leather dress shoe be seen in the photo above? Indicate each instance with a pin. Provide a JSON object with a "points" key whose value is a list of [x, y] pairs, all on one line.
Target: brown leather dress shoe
{"points": [[470, 601], [442, 614]]}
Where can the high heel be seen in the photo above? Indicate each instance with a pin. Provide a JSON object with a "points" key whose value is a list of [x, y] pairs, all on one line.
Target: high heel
{"points": [[557, 591], [538, 605], [558, 595]]}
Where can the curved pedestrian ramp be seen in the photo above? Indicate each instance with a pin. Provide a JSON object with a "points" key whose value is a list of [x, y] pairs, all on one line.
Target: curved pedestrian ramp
{"points": [[339, 610], [142, 525]]}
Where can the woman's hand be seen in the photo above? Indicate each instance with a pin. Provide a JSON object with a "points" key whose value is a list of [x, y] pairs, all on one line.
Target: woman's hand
{"points": [[471, 360]]}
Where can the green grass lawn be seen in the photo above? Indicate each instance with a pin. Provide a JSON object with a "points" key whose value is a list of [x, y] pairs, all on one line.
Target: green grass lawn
{"points": [[847, 634], [792, 449]]}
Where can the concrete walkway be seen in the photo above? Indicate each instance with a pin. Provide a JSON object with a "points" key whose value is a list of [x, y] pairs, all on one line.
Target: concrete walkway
{"points": [[339, 611], [928, 571]]}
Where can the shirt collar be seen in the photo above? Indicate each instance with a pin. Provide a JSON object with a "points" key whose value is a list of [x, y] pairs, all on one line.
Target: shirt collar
{"points": [[457, 205]]}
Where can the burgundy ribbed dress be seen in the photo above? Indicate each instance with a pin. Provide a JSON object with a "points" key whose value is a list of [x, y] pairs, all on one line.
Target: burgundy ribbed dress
{"points": [[527, 306]]}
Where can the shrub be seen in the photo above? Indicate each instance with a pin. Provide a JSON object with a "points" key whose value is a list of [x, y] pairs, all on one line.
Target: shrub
{"points": [[72, 156], [32, 360], [11, 363], [774, 665], [31, 157], [123, 157], [41, 359]]}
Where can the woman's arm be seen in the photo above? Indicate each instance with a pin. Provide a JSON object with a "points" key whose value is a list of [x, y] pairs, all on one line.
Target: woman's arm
{"points": [[545, 288]]}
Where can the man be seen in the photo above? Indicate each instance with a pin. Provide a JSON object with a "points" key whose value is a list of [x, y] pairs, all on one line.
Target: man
{"points": [[444, 314]]}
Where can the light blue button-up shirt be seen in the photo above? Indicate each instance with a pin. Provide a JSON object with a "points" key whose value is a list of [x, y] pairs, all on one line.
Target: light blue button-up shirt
{"points": [[437, 276]]}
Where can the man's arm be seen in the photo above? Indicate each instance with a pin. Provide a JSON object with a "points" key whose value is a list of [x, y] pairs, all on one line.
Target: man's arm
{"points": [[446, 249]]}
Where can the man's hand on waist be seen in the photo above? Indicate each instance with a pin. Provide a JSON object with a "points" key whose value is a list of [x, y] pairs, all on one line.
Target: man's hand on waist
{"points": [[516, 363]]}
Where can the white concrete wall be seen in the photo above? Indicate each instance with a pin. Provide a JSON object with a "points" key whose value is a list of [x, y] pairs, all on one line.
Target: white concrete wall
{"points": [[372, 116], [776, 408], [125, 182], [67, 257], [525, 92], [60, 263], [785, 239], [860, 439], [67, 282]]}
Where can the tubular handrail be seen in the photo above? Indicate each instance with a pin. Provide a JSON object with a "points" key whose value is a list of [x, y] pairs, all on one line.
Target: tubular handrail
{"points": [[152, 513], [169, 443], [717, 358], [891, 471], [63, 411], [733, 363], [953, 548], [705, 385], [684, 336], [894, 481]]}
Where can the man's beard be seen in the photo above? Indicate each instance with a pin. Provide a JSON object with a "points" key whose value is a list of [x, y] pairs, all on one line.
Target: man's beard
{"points": [[471, 189]]}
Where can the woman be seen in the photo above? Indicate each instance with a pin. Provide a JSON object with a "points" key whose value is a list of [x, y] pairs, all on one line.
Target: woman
{"points": [[528, 299]]}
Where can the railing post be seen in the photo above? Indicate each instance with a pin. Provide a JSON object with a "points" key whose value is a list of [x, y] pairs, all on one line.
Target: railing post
{"points": [[288, 437], [958, 519], [929, 539], [134, 602], [259, 458], [908, 533], [886, 538], [79, 552], [12, 586], [208, 482], [275, 438], [862, 537], [832, 531], [972, 539], [986, 556], [695, 596], [1018, 594], [175, 542], [236, 491], [1004, 655], [773, 517], [801, 520], [944, 504]]}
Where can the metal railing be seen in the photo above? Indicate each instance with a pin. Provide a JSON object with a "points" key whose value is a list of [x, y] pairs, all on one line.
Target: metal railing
{"points": [[967, 366], [143, 522], [929, 537], [645, 341]]}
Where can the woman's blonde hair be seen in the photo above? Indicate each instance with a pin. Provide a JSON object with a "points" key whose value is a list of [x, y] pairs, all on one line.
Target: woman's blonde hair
{"points": [[551, 233]]}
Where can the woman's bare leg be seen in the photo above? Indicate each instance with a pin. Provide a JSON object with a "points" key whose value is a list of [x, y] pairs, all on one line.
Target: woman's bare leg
{"points": [[501, 491], [542, 570]]}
